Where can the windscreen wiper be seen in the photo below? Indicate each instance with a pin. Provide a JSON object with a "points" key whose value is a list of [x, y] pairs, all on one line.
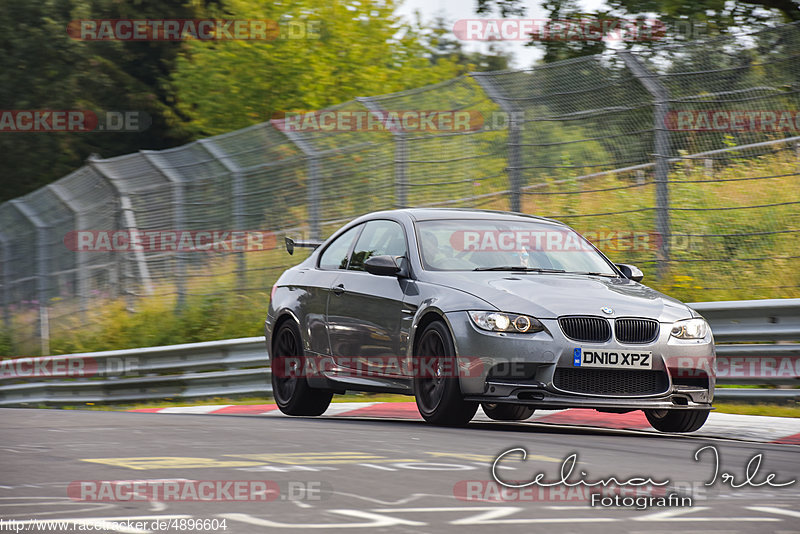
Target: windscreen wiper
{"points": [[519, 268], [592, 273]]}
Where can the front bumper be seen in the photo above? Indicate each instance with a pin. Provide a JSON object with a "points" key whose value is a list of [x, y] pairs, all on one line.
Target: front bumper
{"points": [[686, 382], [678, 400]]}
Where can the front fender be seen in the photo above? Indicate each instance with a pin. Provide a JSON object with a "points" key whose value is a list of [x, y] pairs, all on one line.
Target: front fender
{"points": [[440, 300]]}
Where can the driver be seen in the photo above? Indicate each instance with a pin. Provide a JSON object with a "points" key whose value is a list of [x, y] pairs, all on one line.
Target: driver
{"points": [[431, 252]]}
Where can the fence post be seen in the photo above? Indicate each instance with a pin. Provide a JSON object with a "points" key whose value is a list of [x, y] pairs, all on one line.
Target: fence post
{"points": [[237, 189], [127, 218], [44, 330], [42, 274], [400, 154], [313, 197], [661, 148], [81, 288], [314, 185], [709, 166], [5, 258], [180, 257], [178, 221], [129, 222], [515, 124], [401, 177]]}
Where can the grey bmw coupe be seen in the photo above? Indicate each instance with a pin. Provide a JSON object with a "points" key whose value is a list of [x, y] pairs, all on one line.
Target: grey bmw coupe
{"points": [[467, 307]]}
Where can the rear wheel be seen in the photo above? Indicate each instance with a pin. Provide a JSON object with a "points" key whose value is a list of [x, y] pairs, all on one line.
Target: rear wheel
{"points": [[436, 387], [676, 420], [507, 412], [292, 393]]}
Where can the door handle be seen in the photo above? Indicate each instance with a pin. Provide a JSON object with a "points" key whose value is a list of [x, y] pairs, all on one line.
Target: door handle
{"points": [[338, 290]]}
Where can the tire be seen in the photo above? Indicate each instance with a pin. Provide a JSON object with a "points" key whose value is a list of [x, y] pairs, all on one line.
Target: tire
{"points": [[676, 420], [507, 412], [439, 398], [292, 394]]}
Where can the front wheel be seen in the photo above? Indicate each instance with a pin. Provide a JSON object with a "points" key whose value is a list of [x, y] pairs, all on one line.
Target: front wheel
{"points": [[676, 420], [507, 412], [436, 390], [292, 393]]}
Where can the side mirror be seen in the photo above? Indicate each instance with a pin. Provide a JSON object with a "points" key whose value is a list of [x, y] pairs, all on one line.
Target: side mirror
{"points": [[630, 272], [382, 266]]}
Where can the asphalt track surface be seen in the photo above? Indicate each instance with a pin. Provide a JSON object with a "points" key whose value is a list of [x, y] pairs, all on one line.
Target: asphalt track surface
{"points": [[371, 475]]}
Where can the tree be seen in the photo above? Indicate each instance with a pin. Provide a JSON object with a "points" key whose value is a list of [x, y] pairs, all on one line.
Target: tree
{"points": [[446, 45], [679, 20], [342, 50], [42, 68]]}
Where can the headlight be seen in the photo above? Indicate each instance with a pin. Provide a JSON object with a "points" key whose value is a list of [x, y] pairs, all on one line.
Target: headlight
{"points": [[690, 329], [505, 322]]}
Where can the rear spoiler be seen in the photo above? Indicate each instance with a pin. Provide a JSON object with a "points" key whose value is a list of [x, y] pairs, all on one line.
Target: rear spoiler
{"points": [[291, 244]]}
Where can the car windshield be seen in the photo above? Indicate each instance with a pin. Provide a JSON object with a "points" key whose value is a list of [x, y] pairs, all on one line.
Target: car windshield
{"points": [[484, 245]]}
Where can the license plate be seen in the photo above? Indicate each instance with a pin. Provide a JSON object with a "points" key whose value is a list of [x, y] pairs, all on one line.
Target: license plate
{"points": [[612, 358]]}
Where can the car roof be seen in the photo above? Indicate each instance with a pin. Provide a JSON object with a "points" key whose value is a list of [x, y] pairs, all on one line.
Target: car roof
{"points": [[430, 214]]}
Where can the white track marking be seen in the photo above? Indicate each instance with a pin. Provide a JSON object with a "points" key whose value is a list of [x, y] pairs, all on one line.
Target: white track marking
{"points": [[677, 513], [157, 506], [194, 409], [404, 500], [749, 427], [373, 521], [381, 467], [774, 510], [490, 515], [93, 507], [54, 503], [338, 408]]}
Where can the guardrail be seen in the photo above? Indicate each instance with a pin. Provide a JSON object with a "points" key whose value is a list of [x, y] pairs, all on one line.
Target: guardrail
{"points": [[771, 354], [192, 370], [240, 367]]}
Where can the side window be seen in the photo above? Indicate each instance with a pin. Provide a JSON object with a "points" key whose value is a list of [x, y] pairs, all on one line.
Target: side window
{"points": [[379, 238], [335, 256]]}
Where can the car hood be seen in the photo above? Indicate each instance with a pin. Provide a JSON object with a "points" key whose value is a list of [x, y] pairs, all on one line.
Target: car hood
{"points": [[551, 295]]}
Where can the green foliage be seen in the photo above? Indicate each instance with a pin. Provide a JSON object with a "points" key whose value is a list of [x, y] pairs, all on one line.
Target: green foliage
{"points": [[6, 344], [357, 49], [215, 310], [155, 323], [191, 89], [446, 45], [678, 20], [42, 67]]}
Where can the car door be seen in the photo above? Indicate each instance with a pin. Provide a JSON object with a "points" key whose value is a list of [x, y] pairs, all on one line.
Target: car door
{"points": [[365, 311], [332, 261]]}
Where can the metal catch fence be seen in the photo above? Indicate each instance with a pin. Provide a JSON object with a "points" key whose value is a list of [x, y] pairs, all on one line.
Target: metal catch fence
{"points": [[682, 159]]}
